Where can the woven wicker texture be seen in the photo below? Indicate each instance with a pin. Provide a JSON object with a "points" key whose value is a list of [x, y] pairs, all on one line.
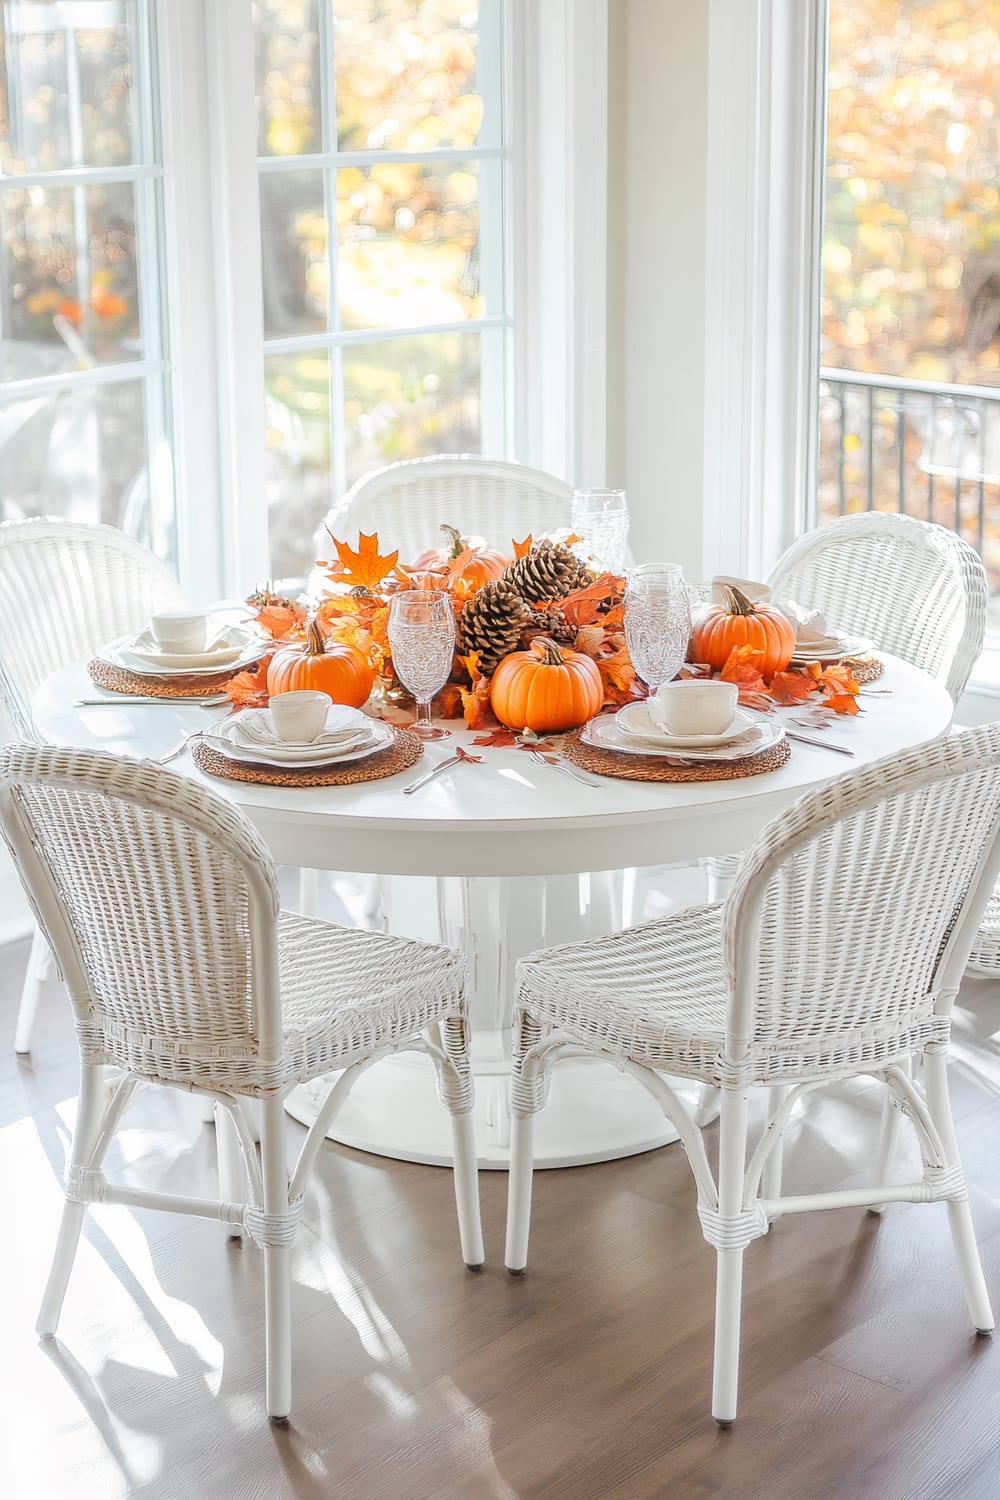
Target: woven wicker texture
{"points": [[403, 753], [167, 891], [654, 768], [189, 685], [824, 956], [66, 590], [913, 588], [407, 503], [865, 669]]}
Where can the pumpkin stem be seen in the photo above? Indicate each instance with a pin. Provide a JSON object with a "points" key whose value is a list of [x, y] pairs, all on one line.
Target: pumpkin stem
{"points": [[315, 644], [547, 649], [457, 545], [737, 602]]}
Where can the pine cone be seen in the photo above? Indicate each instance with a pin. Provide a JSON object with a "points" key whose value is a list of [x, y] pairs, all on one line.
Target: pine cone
{"points": [[547, 572], [491, 623], [554, 624]]}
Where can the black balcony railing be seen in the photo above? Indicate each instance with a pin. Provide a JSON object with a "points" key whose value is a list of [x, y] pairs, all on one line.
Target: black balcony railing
{"points": [[925, 450]]}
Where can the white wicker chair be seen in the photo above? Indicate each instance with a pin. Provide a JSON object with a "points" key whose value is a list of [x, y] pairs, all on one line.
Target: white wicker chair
{"points": [[66, 588], [838, 953], [161, 905], [914, 588], [407, 503]]}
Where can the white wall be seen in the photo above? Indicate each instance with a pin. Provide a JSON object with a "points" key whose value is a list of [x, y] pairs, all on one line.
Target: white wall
{"points": [[658, 75]]}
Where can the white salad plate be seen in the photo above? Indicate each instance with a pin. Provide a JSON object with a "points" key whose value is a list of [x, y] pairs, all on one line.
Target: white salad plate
{"points": [[605, 733], [636, 721]]}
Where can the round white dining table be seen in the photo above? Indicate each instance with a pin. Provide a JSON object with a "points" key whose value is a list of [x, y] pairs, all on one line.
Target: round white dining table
{"points": [[514, 835]]}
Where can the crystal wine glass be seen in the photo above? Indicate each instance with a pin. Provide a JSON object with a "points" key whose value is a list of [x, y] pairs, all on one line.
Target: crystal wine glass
{"points": [[600, 519], [422, 642], [657, 621]]}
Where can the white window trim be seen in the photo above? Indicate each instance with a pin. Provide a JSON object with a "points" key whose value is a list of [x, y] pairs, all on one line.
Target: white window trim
{"points": [[765, 152], [558, 139]]}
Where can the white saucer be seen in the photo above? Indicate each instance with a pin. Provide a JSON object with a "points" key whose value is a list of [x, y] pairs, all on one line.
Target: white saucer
{"points": [[605, 733], [636, 721], [255, 728]]}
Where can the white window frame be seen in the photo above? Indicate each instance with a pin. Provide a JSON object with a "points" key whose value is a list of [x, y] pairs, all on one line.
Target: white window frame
{"points": [[145, 177]]}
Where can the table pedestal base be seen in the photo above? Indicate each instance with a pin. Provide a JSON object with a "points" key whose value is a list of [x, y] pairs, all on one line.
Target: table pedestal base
{"points": [[594, 1113]]}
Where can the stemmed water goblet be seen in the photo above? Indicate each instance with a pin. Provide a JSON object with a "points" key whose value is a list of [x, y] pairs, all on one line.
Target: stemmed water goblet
{"points": [[657, 610], [422, 642], [600, 519]]}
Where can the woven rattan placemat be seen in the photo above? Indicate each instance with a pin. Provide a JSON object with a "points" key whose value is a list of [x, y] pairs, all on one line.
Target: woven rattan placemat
{"points": [[404, 752], [136, 685], [655, 768], [865, 669]]}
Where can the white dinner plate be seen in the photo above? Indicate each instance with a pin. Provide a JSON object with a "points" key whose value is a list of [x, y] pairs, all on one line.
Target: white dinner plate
{"points": [[120, 654], [605, 734], [376, 738], [636, 721], [228, 645]]}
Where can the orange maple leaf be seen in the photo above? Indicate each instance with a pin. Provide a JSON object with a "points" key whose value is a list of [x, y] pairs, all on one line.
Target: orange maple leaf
{"points": [[249, 688], [583, 606], [281, 620], [364, 567], [476, 704], [791, 687], [618, 675], [521, 549], [499, 737], [589, 639], [743, 666], [841, 703], [471, 665], [448, 702], [837, 679]]}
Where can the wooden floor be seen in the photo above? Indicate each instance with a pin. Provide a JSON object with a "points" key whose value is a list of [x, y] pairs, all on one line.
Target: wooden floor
{"points": [[588, 1379]]}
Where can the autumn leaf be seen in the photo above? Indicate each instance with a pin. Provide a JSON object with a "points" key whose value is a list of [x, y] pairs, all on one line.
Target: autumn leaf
{"points": [[618, 676], [282, 620], [838, 679], [743, 666], [589, 639], [364, 567], [471, 665], [464, 755], [249, 688], [521, 549], [791, 687], [501, 738], [476, 704], [583, 606], [841, 703], [448, 702]]}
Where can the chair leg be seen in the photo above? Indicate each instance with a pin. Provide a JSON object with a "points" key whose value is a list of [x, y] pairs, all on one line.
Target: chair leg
{"points": [[227, 1145], [729, 1262], [89, 1113], [470, 1226], [709, 1104], [40, 968], [519, 1192], [963, 1231], [277, 1267], [770, 1186], [888, 1136]]}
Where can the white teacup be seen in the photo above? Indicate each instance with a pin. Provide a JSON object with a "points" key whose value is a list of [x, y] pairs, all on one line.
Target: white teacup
{"points": [[180, 631], [300, 717], [694, 707]]}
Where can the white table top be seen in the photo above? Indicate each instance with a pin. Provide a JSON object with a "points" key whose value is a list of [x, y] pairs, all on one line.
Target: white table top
{"points": [[509, 815]]}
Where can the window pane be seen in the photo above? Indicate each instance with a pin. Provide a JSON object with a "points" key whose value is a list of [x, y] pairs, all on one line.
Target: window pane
{"points": [[80, 454], [409, 244], [406, 74], [65, 85], [910, 243], [411, 396], [293, 247], [287, 77], [298, 483], [69, 287]]}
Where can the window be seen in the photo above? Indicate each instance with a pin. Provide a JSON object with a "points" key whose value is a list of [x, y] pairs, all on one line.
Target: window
{"points": [[910, 392], [381, 174], [83, 396]]}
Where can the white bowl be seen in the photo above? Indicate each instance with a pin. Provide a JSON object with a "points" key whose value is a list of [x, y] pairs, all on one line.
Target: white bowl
{"points": [[180, 631], [299, 717]]}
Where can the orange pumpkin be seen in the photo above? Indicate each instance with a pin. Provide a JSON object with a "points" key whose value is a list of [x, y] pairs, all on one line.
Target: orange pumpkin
{"points": [[484, 565], [338, 669], [737, 622], [545, 689]]}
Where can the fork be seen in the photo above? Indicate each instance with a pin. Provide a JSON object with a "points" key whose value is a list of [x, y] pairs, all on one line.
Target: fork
{"points": [[558, 764]]}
